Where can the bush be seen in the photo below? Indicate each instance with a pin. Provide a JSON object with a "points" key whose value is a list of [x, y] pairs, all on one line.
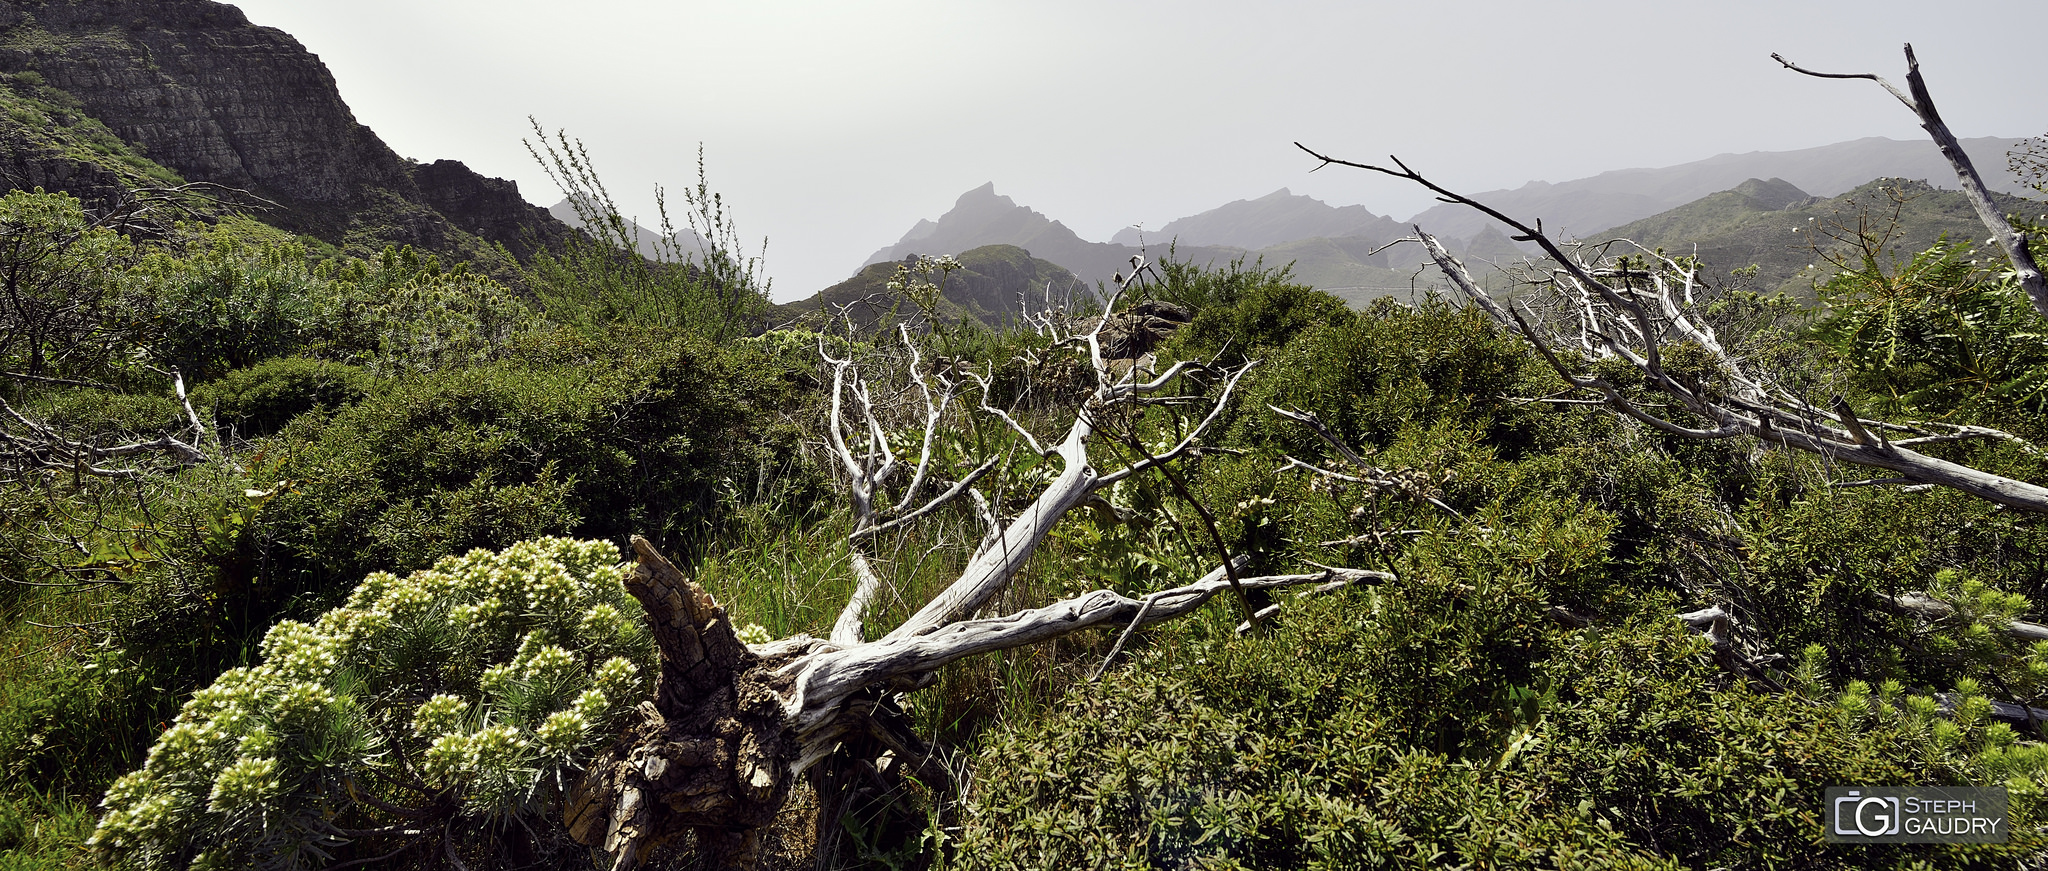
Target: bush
{"points": [[1369, 375], [662, 438], [259, 400], [1256, 313], [486, 679], [1291, 752], [241, 293]]}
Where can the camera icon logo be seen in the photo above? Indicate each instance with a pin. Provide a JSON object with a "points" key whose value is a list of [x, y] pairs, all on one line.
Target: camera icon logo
{"points": [[1869, 816]]}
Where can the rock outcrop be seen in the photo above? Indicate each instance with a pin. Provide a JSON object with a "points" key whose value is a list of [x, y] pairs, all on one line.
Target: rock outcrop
{"points": [[197, 88]]}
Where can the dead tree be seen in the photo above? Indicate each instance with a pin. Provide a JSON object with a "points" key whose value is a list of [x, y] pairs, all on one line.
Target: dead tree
{"points": [[1639, 313], [31, 446], [1917, 99], [717, 750]]}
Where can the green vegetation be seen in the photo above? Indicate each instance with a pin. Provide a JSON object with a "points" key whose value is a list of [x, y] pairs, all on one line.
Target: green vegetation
{"points": [[313, 558], [491, 674], [353, 416], [985, 287], [40, 123], [703, 282], [1797, 242]]}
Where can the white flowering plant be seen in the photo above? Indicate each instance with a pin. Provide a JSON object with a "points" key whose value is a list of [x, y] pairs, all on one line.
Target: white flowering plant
{"points": [[914, 280], [436, 712]]}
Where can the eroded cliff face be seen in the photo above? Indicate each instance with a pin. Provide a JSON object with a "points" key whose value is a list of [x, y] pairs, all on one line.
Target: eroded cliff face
{"points": [[196, 87]]}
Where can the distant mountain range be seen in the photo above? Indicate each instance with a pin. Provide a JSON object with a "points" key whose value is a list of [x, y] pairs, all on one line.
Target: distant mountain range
{"points": [[1339, 248], [1589, 206], [983, 217], [1274, 219], [1344, 265]]}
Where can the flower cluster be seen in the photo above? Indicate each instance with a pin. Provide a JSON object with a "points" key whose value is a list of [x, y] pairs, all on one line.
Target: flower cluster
{"points": [[540, 647]]}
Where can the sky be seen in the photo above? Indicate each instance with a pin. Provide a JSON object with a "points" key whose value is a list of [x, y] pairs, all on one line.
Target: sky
{"points": [[832, 127]]}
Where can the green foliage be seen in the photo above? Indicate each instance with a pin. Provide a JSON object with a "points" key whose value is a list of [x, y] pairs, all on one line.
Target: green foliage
{"points": [[241, 294], [1939, 334], [1368, 376], [658, 437], [1195, 287], [1444, 721], [55, 296], [259, 400], [703, 282], [392, 412], [492, 675]]}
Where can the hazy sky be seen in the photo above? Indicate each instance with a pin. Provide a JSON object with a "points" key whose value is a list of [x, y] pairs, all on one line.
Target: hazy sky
{"points": [[831, 127]]}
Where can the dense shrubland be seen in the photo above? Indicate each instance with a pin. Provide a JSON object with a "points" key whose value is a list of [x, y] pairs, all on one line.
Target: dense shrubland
{"points": [[326, 628]]}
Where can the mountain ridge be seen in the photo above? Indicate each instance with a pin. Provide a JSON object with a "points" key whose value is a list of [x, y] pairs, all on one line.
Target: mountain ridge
{"points": [[1339, 248], [195, 87], [1274, 219], [1586, 206]]}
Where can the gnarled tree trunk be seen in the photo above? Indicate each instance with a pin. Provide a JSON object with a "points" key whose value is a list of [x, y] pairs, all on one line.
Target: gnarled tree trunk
{"points": [[713, 756]]}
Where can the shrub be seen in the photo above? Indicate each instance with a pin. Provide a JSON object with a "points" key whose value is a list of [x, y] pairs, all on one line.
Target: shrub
{"points": [[1258, 311], [487, 679], [240, 293], [662, 438], [261, 399], [1368, 376]]}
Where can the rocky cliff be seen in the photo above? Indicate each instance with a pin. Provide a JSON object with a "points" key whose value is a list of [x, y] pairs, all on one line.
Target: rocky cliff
{"points": [[195, 87]]}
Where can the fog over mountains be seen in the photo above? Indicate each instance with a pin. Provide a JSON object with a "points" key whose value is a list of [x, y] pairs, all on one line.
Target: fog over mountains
{"points": [[1587, 206], [1333, 247]]}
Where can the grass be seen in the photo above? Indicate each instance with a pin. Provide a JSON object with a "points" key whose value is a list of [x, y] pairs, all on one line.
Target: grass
{"points": [[41, 831], [45, 818]]}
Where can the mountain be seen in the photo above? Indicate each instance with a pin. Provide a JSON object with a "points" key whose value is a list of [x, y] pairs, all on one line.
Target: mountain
{"points": [[1345, 266], [983, 217], [193, 91], [1583, 206], [1772, 225], [1274, 219], [987, 287], [686, 242]]}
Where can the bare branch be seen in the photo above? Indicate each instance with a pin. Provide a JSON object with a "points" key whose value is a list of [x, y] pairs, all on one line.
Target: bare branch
{"points": [[1194, 434], [1005, 417], [951, 493], [1922, 104], [1743, 405], [1930, 609], [1310, 420], [833, 676]]}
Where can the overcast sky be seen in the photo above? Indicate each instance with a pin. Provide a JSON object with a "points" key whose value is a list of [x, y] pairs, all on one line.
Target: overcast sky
{"points": [[831, 127]]}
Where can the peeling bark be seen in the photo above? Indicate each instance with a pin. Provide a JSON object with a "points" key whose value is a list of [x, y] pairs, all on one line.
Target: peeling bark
{"points": [[710, 754]]}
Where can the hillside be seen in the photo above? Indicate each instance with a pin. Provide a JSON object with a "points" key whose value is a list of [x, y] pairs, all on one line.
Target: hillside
{"points": [[46, 141], [1581, 206], [195, 88], [1775, 226], [987, 288]]}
